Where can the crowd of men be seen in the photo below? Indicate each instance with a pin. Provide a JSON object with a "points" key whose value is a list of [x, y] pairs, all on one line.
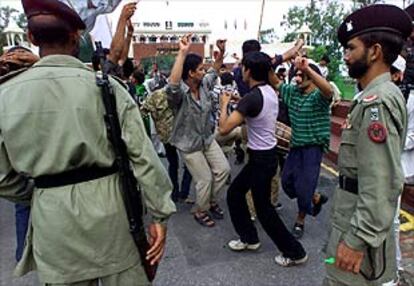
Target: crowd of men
{"points": [[59, 167]]}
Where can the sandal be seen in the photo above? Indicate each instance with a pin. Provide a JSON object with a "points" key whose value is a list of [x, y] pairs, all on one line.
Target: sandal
{"points": [[216, 212], [204, 219], [318, 206]]}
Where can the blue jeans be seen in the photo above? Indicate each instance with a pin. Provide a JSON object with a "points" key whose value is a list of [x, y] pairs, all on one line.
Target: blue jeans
{"points": [[22, 214], [172, 158], [300, 175]]}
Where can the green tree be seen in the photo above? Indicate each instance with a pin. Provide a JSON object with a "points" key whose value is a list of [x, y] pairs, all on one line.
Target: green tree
{"points": [[21, 21], [323, 18]]}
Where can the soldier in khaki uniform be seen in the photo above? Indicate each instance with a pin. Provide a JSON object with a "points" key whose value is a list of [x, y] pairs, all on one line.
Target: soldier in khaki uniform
{"points": [[52, 130], [362, 238]]}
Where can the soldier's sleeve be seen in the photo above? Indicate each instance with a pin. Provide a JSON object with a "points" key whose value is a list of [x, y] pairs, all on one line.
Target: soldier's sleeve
{"points": [[175, 94], [148, 169], [13, 186], [379, 177]]}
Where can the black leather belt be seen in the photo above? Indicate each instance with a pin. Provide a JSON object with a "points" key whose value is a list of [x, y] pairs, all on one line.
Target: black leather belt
{"points": [[348, 184], [75, 176]]}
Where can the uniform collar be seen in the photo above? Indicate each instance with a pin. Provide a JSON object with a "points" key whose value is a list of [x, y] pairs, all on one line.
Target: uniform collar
{"points": [[377, 81], [60, 61]]}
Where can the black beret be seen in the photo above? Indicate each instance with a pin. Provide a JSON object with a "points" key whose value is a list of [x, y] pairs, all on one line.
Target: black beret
{"points": [[53, 7], [374, 18]]}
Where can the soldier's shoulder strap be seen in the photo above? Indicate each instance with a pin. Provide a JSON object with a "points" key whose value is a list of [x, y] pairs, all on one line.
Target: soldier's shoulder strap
{"points": [[12, 74]]}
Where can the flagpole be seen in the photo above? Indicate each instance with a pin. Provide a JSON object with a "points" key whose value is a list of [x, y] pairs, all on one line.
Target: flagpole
{"points": [[260, 20]]}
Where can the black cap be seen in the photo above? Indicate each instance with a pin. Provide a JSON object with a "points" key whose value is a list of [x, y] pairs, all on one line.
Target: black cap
{"points": [[53, 7], [374, 18]]}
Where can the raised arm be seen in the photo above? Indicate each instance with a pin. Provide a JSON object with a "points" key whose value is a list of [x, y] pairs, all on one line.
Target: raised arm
{"points": [[274, 81], [323, 85], [218, 62], [127, 42], [289, 54], [177, 69], [118, 41]]}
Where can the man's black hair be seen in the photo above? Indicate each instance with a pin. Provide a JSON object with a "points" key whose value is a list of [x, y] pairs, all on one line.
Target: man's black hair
{"points": [[391, 44], [139, 76], [251, 46], [313, 67], [226, 78], [191, 62], [16, 48], [326, 58], [127, 68], [259, 65]]}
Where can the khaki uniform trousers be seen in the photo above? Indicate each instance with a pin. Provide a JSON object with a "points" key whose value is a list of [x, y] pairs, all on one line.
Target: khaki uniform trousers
{"points": [[134, 276]]}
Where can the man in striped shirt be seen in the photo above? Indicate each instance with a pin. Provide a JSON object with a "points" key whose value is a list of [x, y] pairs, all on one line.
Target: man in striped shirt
{"points": [[308, 107]]}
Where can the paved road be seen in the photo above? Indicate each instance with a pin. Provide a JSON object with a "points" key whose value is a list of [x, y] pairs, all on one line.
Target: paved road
{"points": [[198, 256]]}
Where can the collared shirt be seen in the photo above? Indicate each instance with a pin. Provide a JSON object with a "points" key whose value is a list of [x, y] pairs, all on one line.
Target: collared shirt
{"points": [[193, 120], [51, 121], [309, 116]]}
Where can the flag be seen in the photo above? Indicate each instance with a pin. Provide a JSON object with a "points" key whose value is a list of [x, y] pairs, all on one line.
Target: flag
{"points": [[89, 10]]}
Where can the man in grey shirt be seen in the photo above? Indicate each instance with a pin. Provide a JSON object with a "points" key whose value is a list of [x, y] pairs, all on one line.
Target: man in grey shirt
{"points": [[188, 94]]}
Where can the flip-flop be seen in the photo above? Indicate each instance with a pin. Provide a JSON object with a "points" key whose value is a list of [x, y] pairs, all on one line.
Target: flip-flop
{"points": [[204, 219]]}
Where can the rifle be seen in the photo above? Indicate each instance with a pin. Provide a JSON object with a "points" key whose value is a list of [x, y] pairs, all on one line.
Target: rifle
{"points": [[131, 192]]}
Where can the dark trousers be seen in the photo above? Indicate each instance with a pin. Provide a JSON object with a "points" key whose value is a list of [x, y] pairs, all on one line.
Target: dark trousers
{"points": [[22, 214], [256, 176], [300, 175], [172, 157]]}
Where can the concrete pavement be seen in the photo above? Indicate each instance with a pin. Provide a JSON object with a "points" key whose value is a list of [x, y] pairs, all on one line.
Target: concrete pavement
{"points": [[197, 255]]}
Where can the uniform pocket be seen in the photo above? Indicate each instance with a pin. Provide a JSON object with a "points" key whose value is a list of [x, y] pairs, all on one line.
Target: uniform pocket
{"points": [[347, 151]]}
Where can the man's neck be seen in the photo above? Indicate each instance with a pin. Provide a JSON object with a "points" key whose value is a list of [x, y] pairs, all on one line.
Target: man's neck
{"points": [[371, 74], [253, 83], [194, 87], [49, 51], [309, 89]]}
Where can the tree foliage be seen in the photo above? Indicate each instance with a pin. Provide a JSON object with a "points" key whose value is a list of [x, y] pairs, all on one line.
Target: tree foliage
{"points": [[323, 18]]}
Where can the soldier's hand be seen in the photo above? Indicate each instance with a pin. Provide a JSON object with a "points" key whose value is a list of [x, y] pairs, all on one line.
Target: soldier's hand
{"points": [[348, 259], [185, 43], [157, 236]]}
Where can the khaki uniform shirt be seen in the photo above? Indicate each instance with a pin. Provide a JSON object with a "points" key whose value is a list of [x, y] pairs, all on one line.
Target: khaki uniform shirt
{"points": [[364, 221], [51, 121]]}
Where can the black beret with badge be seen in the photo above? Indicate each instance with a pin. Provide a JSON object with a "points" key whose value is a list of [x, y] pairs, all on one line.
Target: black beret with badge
{"points": [[53, 7], [374, 18]]}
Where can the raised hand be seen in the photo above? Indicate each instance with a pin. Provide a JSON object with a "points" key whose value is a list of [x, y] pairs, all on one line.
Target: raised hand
{"points": [[301, 63], [185, 43]]}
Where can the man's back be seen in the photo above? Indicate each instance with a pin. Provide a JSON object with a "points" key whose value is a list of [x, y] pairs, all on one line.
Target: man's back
{"points": [[52, 122]]}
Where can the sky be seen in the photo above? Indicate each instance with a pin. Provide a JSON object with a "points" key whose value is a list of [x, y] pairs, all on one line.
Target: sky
{"points": [[216, 12]]}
